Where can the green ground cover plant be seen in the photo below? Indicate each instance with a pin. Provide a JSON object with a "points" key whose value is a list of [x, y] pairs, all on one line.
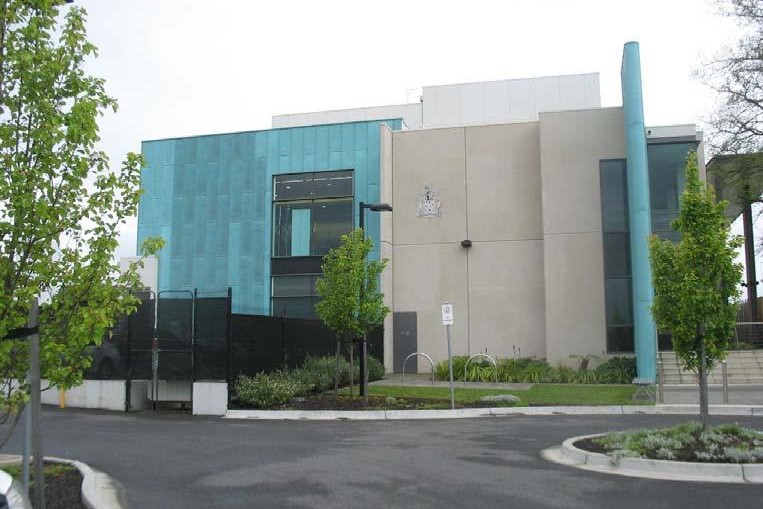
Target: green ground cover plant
{"points": [[726, 443], [614, 370]]}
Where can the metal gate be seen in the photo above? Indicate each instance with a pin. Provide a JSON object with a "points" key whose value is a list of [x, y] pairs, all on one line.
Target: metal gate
{"points": [[175, 339], [172, 361]]}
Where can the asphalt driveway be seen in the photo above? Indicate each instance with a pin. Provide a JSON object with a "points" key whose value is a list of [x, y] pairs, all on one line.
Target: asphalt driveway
{"points": [[170, 461]]}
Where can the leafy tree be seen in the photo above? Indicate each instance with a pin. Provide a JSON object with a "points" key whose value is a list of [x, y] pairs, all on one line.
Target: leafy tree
{"points": [[60, 203], [351, 304], [695, 281]]}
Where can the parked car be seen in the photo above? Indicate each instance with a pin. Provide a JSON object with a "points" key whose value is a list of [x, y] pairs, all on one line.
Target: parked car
{"points": [[12, 494], [105, 361]]}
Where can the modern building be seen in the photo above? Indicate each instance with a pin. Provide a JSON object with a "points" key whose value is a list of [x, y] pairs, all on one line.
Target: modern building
{"points": [[523, 203]]}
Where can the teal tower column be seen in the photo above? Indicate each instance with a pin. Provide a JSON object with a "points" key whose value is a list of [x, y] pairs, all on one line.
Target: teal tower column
{"points": [[645, 335]]}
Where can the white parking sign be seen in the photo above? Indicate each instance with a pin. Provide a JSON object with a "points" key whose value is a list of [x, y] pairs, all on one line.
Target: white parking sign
{"points": [[447, 314]]}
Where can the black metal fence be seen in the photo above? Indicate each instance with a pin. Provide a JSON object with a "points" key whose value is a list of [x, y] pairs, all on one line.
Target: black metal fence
{"points": [[194, 336]]}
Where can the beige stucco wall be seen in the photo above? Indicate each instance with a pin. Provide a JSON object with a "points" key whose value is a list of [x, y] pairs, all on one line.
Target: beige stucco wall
{"points": [[488, 180], [571, 146], [387, 280], [429, 262]]}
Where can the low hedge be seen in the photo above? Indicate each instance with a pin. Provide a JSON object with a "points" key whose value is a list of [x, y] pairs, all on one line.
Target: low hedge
{"points": [[615, 370]]}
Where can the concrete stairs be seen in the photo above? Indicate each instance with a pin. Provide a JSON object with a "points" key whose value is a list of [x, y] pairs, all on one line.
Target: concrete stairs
{"points": [[742, 367]]}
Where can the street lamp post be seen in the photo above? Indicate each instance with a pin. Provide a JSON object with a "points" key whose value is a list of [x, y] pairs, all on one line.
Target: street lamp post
{"points": [[376, 207]]}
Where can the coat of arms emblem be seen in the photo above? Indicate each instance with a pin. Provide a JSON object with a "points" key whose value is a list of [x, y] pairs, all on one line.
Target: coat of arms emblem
{"points": [[429, 202]]}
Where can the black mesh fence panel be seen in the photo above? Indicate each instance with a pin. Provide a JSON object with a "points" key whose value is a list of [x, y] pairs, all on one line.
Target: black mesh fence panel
{"points": [[141, 336], [210, 340], [256, 344], [306, 337], [174, 328], [267, 343]]}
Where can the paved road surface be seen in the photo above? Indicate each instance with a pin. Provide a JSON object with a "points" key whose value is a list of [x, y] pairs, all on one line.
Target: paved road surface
{"points": [[168, 461]]}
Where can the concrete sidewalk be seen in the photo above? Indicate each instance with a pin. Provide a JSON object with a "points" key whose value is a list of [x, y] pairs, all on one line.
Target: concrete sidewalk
{"points": [[738, 394]]}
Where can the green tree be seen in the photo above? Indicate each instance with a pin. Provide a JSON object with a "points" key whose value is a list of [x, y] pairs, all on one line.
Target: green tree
{"points": [[60, 203], [696, 280], [350, 303]]}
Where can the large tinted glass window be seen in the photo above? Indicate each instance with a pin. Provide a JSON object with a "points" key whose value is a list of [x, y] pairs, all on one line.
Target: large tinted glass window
{"points": [[617, 256], [307, 186], [292, 227], [294, 296], [310, 228], [293, 187], [614, 196], [667, 163], [332, 184], [311, 212], [618, 301], [333, 218]]}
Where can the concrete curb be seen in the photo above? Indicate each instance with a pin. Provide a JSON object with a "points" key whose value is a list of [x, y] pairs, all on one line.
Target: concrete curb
{"points": [[468, 413], [572, 456], [99, 490]]}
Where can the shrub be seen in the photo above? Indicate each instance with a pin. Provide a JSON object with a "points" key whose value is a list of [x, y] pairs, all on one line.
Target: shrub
{"points": [[441, 369], [320, 372], [617, 370], [375, 369], [267, 390], [586, 376], [479, 371], [534, 371], [563, 375]]}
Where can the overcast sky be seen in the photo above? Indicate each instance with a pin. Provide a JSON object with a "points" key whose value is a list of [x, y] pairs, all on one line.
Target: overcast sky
{"points": [[184, 67]]}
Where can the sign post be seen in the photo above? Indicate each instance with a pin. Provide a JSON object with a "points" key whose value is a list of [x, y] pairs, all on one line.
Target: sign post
{"points": [[447, 320]]}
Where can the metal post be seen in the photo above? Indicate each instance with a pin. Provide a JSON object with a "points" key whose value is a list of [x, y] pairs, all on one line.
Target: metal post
{"points": [[229, 319], [194, 310], [363, 350], [725, 382], [27, 448], [450, 372], [36, 407], [660, 380], [154, 372], [128, 374]]}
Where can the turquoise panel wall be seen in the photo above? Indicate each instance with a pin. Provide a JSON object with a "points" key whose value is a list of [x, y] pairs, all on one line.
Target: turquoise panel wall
{"points": [[210, 198]]}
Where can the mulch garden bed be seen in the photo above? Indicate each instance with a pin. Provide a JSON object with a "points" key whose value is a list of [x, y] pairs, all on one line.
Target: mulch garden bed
{"points": [[63, 487], [694, 449]]}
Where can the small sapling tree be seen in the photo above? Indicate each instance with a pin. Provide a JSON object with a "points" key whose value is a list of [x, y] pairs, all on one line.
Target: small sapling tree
{"points": [[696, 281], [351, 304]]}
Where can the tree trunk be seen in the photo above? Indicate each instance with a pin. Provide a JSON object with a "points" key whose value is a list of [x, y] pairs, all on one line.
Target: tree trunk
{"points": [[703, 407], [336, 367], [352, 368]]}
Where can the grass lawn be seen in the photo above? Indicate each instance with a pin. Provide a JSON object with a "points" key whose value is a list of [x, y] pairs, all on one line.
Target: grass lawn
{"points": [[539, 394]]}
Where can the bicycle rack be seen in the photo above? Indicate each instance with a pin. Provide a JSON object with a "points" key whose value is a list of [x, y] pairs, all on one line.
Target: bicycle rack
{"points": [[414, 354], [484, 356]]}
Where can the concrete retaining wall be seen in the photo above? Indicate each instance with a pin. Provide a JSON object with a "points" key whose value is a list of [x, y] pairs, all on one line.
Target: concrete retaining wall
{"points": [[210, 398]]}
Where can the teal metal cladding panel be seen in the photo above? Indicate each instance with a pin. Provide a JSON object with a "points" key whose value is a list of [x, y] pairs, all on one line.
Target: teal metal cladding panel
{"points": [[210, 198], [645, 333]]}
